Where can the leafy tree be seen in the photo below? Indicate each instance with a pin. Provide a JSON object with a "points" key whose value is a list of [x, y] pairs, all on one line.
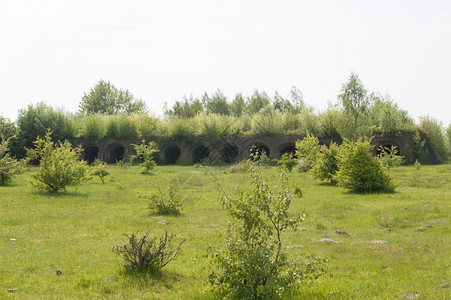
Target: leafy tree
{"points": [[238, 106], [147, 153], [287, 161], [256, 102], [9, 166], [389, 157], [354, 100], [9, 131], [448, 138], [253, 265], [99, 169], [436, 134], [297, 99], [386, 116], [59, 165], [416, 150], [188, 108], [35, 121], [281, 104], [93, 127], [307, 152], [360, 172], [327, 163], [216, 104], [105, 98]]}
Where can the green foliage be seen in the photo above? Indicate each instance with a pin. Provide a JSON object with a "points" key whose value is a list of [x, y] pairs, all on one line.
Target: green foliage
{"points": [[121, 126], [144, 253], [9, 166], [266, 122], [93, 127], [253, 265], [59, 165], [105, 98], [307, 152], [188, 108], [287, 161], [35, 121], [256, 102], [238, 106], [99, 169], [389, 157], [355, 102], [327, 163], [448, 139], [416, 150], [8, 130], [435, 132], [211, 128], [360, 172], [216, 104], [146, 152], [386, 116], [165, 203]]}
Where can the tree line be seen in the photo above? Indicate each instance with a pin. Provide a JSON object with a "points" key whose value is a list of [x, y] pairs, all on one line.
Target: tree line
{"points": [[106, 111]]}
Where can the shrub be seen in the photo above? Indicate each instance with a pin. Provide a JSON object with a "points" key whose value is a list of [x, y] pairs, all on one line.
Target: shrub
{"points": [[288, 161], [434, 131], [307, 152], [99, 169], [9, 166], [327, 163], [389, 157], [146, 152], [165, 203], [142, 253], [252, 265], [59, 165], [93, 128], [416, 150], [360, 172]]}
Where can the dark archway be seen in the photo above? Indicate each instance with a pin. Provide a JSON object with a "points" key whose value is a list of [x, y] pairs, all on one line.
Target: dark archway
{"points": [[256, 151], [291, 149], [116, 154], [90, 153], [229, 153], [171, 154], [200, 152], [387, 146]]}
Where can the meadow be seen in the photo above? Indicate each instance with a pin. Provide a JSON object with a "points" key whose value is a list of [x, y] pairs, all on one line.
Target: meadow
{"points": [[382, 246]]}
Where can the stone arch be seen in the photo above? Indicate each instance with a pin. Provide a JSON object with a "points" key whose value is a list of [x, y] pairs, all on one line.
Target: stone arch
{"points": [[90, 153], [115, 153], [229, 153], [200, 152], [171, 154], [290, 148], [257, 150]]}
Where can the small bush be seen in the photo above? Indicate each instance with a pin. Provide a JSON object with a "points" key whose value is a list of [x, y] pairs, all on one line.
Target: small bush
{"points": [[142, 253], [146, 152], [288, 161], [252, 264], [435, 132], [360, 172], [389, 156], [416, 150], [307, 152], [93, 128], [99, 169], [327, 163], [165, 203], [59, 165], [9, 166]]}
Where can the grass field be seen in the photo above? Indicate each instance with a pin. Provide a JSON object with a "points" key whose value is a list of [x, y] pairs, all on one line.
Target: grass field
{"points": [[398, 245]]}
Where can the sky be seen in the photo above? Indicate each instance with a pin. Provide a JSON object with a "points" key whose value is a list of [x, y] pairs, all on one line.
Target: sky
{"points": [[56, 50]]}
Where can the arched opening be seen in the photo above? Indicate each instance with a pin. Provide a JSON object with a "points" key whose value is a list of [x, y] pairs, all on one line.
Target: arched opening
{"points": [[291, 149], [171, 154], [116, 154], [229, 153], [200, 153], [388, 148], [257, 151], [90, 153]]}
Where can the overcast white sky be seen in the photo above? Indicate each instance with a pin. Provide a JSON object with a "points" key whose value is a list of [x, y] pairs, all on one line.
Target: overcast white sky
{"points": [[54, 51]]}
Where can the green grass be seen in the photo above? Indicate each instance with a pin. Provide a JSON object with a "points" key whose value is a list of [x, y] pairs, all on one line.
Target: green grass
{"points": [[75, 232]]}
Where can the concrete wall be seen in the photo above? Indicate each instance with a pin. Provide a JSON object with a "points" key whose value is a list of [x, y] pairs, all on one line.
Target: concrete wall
{"points": [[227, 149]]}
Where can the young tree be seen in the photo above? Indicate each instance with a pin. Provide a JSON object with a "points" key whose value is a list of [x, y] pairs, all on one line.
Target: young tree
{"points": [[238, 106], [360, 172], [307, 151], [105, 98], [253, 265], [9, 166], [216, 104], [59, 165], [327, 163], [355, 102], [146, 152]]}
